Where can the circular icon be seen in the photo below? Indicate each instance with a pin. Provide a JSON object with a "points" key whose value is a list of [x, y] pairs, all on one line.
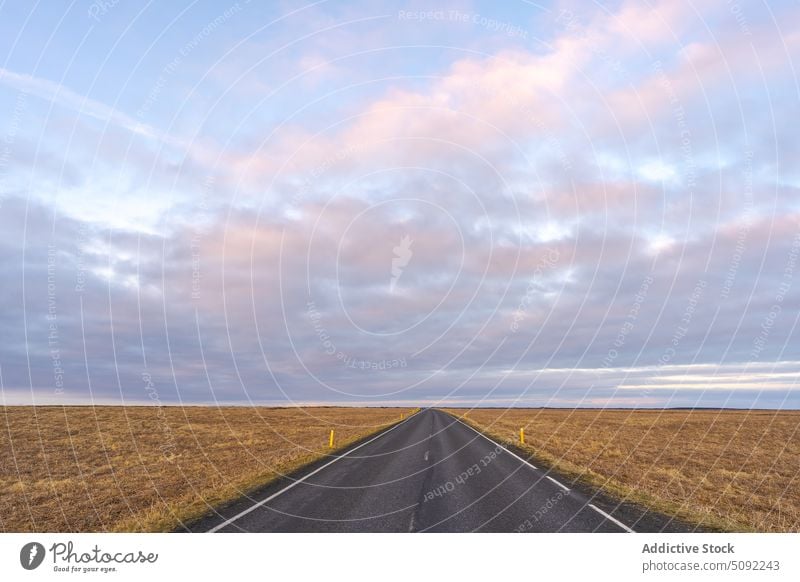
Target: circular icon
{"points": [[31, 555]]}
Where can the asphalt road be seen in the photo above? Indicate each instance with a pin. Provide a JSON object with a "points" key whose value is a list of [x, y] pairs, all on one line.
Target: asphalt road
{"points": [[428, 473]]}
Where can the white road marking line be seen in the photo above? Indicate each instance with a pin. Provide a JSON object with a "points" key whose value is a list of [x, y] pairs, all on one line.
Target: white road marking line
{"points": [[608, 517], [498, 445], [426, 455], [597, 509], [285, 489], [564, 487]]}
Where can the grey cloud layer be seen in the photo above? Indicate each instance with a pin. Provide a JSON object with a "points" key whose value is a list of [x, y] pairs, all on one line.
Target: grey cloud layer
{"points": [[573, 236]]}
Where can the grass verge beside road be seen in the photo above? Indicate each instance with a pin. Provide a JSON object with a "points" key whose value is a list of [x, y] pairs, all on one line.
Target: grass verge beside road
{"points": [[721, 469], [139, 468]]}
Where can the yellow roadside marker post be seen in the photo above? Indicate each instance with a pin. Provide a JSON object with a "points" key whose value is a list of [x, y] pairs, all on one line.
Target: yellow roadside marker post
{"points": [[521, 436], [330, 442]]}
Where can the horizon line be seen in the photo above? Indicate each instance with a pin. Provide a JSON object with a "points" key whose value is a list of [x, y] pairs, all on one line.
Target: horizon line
{"points": [[341, 405]]}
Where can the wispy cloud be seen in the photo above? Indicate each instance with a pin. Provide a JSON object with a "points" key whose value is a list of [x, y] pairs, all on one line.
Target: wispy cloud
{"points": [[61, 96]]}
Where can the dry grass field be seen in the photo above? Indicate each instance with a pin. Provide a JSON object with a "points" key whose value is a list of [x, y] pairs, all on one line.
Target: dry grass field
{"points": [[81, 468], [728, 470]]}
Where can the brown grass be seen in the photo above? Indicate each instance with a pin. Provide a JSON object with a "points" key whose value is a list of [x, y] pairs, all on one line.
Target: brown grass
{"points": [[146, 468], [728, 470]]}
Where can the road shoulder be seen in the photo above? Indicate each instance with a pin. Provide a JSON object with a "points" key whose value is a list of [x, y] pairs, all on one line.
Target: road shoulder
{"points": [[634, 514]]}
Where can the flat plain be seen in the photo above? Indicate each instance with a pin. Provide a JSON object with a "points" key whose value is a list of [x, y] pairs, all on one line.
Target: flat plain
{"points": [[115, 468], [721, 469]]}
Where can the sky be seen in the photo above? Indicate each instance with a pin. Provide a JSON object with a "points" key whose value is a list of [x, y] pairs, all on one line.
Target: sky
{"points": [[427, 203]]}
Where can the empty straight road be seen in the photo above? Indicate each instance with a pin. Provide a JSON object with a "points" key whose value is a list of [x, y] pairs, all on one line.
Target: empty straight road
{"points": [[429, 473]]}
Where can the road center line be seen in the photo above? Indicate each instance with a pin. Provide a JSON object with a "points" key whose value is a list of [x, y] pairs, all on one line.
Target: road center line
{"points": [[298, 481], [412, 524]]}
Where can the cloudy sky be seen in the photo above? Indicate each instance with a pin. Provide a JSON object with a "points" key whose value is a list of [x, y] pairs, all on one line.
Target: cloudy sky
{"points": [[416, 202]]}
